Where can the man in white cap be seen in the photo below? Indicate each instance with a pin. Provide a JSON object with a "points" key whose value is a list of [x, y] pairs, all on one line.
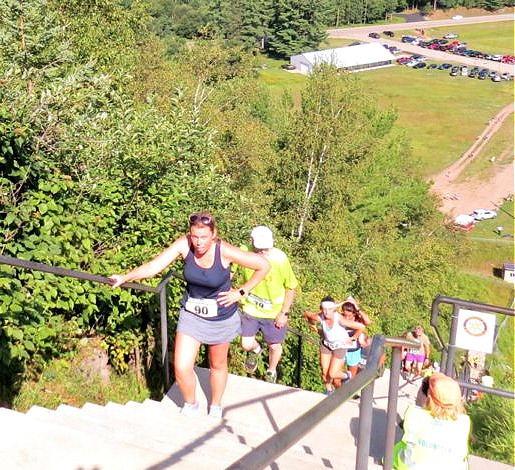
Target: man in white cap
{"points": [[267, 306]]}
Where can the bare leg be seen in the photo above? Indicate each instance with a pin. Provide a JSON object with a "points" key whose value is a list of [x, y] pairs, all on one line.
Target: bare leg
{"points": [[218, 371], [186, 350], [249, 343], [335, 372], [275, 352], [325, 360], [353, 370]]}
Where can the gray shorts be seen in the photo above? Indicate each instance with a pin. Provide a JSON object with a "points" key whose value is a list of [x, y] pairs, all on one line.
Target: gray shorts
{"points": [[337, 353], [209, 331], [271, 334]]}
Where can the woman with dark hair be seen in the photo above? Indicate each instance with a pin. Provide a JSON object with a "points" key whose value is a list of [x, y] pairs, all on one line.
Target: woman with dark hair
{"points": [[352, 311], [335, 341], [209, 307]]}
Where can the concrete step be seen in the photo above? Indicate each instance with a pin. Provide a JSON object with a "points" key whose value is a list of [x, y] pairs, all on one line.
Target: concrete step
{"points": [[154, 436], [150, 422], [162, 417], [29, 443], [270, 407], [229, 431]]}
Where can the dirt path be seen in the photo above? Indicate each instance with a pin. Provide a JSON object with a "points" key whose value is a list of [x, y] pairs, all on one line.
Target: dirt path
{"points": [[464, 197]]}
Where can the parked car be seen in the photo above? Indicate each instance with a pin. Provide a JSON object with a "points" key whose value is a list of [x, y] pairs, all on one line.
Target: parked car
{"points": [[444, 66], [464, 71], [390, 34], [288, 67], [432, 66], [373, 35], [454, 72], [496, 78], [419, 65], [355, 43], [407, 38], [403, 60], [506, 76], [450, 36], [483, 214]]}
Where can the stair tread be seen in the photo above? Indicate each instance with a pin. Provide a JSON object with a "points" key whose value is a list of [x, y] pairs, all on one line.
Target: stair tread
{"points": [[58, 445], [152, 418], [154, 435]]}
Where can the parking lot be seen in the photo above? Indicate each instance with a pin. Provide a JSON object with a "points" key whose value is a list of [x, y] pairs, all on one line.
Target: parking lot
{"points": [[361, 33]]}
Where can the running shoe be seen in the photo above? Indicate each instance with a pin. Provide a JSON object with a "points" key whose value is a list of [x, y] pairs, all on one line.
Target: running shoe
{"points": [[251, 362], [190, 409], [271, 376], [215, 411]]}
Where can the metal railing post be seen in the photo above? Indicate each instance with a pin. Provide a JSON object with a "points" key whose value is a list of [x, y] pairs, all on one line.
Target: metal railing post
{"points": [[365, 427], [391, 413], [300, 362], [451, 347], [164, 336]]}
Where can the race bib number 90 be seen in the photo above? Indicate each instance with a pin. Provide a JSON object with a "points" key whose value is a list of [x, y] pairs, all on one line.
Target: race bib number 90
{"points": [[206, 308]]}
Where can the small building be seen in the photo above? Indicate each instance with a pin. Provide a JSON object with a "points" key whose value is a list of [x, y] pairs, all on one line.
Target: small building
{"points": [[358, 57], [508, 272]]}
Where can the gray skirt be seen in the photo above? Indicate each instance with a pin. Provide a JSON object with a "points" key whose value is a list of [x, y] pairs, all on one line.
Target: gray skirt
{"points": [[209, 331]]}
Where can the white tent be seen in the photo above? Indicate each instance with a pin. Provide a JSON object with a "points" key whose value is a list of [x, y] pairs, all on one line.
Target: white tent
{"points": [[361, 56]]}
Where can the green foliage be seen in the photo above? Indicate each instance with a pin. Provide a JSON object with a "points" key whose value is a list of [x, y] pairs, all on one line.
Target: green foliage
{"points": [[90, 180], [63, 382], [297, 26], [493, 425], [345, 192]]}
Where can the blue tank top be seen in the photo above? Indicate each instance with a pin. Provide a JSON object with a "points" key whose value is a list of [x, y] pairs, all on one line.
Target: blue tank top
{"points": [[203, 286]]}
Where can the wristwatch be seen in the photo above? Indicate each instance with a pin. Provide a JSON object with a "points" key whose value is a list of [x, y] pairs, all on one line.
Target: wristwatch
{"points": [[242, 292]]}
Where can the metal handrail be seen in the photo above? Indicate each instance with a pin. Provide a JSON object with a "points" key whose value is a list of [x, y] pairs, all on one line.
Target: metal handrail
{"points": [[264, 454], [448, 352], [161, 289]]}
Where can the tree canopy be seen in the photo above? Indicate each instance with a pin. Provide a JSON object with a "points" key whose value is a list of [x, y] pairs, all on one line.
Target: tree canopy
{"points": [[106, 147]]}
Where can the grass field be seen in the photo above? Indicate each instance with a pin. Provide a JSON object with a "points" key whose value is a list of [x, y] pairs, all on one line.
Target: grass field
{"points": [[441, 114], [492, 38], [489, 248]]}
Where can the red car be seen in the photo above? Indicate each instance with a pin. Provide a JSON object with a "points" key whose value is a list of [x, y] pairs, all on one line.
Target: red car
{"points": [[403, 60]]}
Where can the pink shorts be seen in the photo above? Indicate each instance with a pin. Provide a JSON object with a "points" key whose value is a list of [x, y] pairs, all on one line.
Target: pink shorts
{"points": [[410, 357]]}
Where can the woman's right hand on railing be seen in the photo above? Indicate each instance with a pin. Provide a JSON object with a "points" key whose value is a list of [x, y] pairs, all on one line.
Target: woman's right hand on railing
{"points": [[117, 280]]}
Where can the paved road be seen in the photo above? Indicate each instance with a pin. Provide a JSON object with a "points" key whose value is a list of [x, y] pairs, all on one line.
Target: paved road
{"points": [[343, 32], [361, 33]]}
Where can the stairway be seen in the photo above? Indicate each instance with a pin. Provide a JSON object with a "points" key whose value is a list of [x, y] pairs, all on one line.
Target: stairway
{"points": [[153, 435]]}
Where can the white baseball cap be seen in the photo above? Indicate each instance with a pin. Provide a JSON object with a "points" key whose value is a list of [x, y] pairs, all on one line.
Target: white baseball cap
{"points": [[262, 237]]}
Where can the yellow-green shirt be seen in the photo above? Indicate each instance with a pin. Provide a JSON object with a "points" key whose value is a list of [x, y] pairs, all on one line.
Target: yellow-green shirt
{"points": [[266, 299]]}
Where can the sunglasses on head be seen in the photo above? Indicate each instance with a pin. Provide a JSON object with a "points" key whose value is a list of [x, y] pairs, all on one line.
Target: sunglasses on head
{"points": [[201, 219]]}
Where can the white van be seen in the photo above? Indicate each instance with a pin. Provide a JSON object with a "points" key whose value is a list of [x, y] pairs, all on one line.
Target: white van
{"points": [[464, 71]]}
